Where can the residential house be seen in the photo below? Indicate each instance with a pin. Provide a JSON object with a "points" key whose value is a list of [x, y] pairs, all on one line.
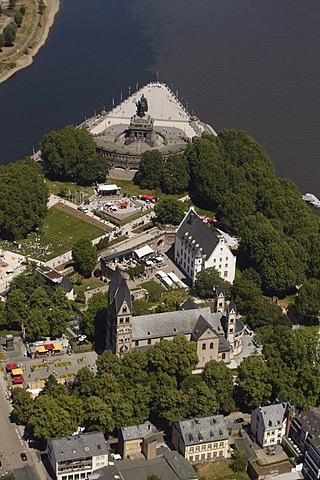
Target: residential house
{"points": [[311, 465], [77, 456], [138, 440], [218, 335], [268, 424], [198, 247], [304, 428], [201, 439], [169, 465], [55, 279]]}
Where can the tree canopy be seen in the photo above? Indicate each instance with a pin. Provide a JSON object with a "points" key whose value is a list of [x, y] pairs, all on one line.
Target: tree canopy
{"points": [[23, 198], [206, 282], [169, 211], [85, 256], [70, 155]]}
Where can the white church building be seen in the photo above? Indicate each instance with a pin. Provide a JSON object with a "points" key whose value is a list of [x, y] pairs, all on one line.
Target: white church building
{"points": [[197, 247]]}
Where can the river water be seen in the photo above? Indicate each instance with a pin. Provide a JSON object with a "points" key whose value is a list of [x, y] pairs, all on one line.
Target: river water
{"points": [[246, 64]]}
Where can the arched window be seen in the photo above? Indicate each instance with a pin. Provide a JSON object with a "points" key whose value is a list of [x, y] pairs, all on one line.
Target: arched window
{"points": [[204, 346], [223, 356], [211, 346]]}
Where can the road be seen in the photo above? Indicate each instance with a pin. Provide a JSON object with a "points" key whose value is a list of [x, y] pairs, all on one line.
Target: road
{"points": [[12, 445]]}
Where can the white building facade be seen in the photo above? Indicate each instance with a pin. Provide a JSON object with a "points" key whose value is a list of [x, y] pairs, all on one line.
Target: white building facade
{"points": [[77, 456], [198, 247], [268, 424]]}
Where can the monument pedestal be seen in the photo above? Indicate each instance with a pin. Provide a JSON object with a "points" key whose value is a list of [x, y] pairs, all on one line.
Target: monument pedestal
{"points": [[140, 129]]}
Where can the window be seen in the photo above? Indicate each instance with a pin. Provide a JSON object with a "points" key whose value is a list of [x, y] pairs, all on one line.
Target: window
{"points": [[197, 458], [226, 259], [210, 446], [82, 475], [197, 448], [70, 477], [64, 477], [220, 266], [77, 476], [221, 453], [214, 455], [127, 319], [209, 455], [211, 346], [121, 320], [136, 343], [225, 274], [226, 265], [203, 447], [223, 356], [191, 449], [149, 341], [215, 445], [231, 330], [204, 346], [203, 456], [191, 458], [221, 444], [124, 310]]}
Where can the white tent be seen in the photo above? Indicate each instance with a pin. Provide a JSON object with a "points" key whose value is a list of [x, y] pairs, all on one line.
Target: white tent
{"points": [[104, 189], [143, 251]]}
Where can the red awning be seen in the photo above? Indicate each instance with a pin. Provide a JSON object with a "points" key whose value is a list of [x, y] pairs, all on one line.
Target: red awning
{"points": [[49, 346], [18, 379], [11, 366]]}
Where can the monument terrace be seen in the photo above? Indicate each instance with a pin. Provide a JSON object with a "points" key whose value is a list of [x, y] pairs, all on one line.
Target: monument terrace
{"points": [[151, 118]]}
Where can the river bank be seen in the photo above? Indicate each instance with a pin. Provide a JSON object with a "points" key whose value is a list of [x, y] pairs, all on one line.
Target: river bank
{"points": [[39, 40]]}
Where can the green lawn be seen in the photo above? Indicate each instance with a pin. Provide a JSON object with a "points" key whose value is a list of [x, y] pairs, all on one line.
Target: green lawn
{"points": [[88, 284], [57, 236], [64, 189], [129, 188], [219, 470]]}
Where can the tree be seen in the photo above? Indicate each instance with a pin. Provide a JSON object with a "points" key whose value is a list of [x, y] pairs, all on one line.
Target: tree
{"points": [[140, 307], [18, 18], [85, 256], [22, 10], [97, 415], [23, 204], [239, 462], [12, 4], [10, 32], [150, 170], [177, 358], [93, 319], [2, 41], [22, 405], [169, 211], [206, 282], [70, 155], [84, 384], [219, 378], [41, 7], [202, 401], [254, 381], [307, 301], [50, 420], [175, 176], [171, 300]]}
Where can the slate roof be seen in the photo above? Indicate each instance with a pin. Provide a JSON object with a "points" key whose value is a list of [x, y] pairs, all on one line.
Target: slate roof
{"points": [[66, 284], [119, 291], [202, 429], [310, 423], [188, 305], [171, 466], [220, 291], [136, 431], [78, 446], [167, 324], [272, 415], [199, 231], [201, 327]]}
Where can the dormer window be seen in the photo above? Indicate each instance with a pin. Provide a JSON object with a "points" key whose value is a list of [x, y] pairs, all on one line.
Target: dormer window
{"points": [[124, 310]]}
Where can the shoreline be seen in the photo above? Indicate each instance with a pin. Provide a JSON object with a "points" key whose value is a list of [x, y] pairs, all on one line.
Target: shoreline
{"points": [[27, 60]]}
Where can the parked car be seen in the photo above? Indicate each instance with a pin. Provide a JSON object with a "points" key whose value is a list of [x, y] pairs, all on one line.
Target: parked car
{"points": [[23, 456], [239, 420]]}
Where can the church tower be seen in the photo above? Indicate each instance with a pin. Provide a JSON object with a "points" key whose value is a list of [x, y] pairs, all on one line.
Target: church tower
{"points": [[231, 318], [220, 299], [119, 316]]}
